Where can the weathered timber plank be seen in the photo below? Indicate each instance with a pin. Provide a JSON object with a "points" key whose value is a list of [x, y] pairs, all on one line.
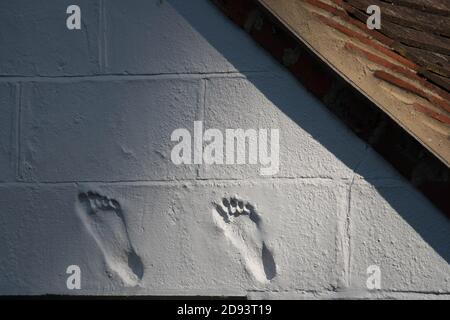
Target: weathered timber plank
{"points": [[430, 52], [436, 79], [441, 7], [415, 38], [407, 17], [434, 62]]}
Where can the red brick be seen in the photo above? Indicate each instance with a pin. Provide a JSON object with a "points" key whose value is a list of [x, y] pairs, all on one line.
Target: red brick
{"points": [[433, 114], [381, 61], [344, 16], [366, 40], [411, 88], [337, 2], [326, 7], [401, 70]]}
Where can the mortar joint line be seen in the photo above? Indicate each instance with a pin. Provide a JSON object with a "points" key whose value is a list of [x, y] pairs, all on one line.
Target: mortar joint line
{"points": [[18, 113], [348, 236], [201, 113], [102, 42]]}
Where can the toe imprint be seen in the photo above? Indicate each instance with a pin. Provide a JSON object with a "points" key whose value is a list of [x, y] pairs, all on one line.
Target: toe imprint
{"points": [[242, 226], [103, 218]]}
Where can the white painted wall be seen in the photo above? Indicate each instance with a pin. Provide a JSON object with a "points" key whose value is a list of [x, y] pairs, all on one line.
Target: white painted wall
{"points": [[86, 177]]}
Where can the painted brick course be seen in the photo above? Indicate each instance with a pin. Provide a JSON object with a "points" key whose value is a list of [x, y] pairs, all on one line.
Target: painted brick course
{"points": [[174, 234], [105, 130]]}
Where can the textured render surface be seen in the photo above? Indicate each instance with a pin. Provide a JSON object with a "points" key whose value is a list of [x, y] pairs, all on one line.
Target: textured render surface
{"points": [[40, 237], [394, 228], [8, 100], [35, 41], [174, 234], [87, 180], [163, 37], [118, 130], [277, 101]]}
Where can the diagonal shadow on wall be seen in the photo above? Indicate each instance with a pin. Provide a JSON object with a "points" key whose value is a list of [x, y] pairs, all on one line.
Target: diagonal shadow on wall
{"points": [[311, 115]]}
